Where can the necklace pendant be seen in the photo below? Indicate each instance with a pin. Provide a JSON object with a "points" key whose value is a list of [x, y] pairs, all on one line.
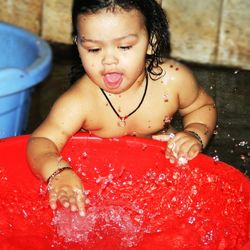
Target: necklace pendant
{"points": [[122, 122]]}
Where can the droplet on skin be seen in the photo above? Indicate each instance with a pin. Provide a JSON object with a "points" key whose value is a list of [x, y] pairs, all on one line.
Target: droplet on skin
{"points": [[171, 135], [165, 97], [167, 119], [182, 161], [134, 133]]}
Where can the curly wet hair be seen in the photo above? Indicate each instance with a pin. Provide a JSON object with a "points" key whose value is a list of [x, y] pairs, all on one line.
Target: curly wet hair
{"points": [[155, 21]]}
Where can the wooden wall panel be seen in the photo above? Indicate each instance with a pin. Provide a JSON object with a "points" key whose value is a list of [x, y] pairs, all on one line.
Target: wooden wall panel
{"points": [[56, 21], [23, 13], [234, 38], [194, 28]]}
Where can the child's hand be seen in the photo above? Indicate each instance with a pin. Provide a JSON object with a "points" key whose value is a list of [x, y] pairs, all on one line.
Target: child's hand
{"points": [[181, 146], [67, 188]]}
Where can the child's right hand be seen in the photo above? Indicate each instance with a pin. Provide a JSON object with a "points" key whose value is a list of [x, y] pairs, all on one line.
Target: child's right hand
{"points": [[67, 188], [182, 146]]}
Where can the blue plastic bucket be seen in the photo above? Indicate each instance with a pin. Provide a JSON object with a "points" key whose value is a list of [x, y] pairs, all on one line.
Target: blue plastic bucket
{"points": [[25, 61]]}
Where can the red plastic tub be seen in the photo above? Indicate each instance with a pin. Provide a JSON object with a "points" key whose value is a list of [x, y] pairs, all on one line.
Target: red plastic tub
{"points": [[138, 200]]}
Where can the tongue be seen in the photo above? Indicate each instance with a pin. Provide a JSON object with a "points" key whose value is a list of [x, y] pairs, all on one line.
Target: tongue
{"points": [[112, 78]]}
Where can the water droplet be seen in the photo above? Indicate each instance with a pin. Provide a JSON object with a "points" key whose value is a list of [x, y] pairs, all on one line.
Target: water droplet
{"points": [[162, 177], [182, 161], [165, 97], [216, 158], [194, 190], [176, 175], [243, 157], [167, 119], [25, 214], [191, 220], [243, 143]]}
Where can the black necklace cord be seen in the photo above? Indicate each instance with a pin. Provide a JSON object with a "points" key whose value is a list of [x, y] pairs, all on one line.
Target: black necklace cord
{"points": [[123, 118]]}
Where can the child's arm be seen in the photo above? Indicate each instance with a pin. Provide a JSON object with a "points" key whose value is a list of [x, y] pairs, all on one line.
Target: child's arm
{"points": [[198, 111], [43, 153]]}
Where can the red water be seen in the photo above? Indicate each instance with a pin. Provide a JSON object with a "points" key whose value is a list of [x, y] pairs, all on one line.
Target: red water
{"points": [[138, 200]]}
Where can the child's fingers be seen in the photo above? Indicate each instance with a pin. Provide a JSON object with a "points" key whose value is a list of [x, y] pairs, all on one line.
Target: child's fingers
{"points": [[52, 199], [79, 201], [63, 195], [160, 137], [187, 149], [163, 137], [194, 151]]}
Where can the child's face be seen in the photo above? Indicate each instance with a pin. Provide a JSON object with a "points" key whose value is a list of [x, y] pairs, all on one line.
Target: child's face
{"points": [[113, 47]]}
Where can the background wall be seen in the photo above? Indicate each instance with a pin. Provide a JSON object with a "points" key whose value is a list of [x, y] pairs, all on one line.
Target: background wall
{"points": [[213, 32]]}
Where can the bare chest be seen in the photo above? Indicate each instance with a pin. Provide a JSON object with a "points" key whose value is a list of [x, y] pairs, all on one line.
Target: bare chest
{"points": [[153, 115]]}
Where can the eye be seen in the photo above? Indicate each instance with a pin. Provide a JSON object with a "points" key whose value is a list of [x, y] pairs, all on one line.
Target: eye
{"points": [[95, 50], [125, 47]]}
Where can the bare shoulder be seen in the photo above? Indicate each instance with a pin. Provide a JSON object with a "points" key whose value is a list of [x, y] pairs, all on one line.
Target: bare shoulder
{"points": [[177, 72], [67, 114], [181, 81]]}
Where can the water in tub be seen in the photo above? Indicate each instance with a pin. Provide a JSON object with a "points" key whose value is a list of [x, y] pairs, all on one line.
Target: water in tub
{"points": [[192, 209], [181, 207]]}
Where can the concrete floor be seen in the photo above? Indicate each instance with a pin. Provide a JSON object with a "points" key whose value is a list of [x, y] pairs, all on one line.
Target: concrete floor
{"points": [[229, 87]]}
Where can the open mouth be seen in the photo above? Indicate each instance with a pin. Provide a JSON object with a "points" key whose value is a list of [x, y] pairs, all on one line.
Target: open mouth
{"points": [[113, 80]]}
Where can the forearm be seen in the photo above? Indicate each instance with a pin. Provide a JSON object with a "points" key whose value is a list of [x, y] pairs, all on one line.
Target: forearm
{"points": [[202, 121], [44, 157]]}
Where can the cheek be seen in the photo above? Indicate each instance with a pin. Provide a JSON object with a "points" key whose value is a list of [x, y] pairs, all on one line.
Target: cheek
{"points": [[88, 63]]}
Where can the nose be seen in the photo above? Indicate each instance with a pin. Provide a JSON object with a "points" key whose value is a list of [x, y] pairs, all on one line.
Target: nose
{"points": [[109, 57]]}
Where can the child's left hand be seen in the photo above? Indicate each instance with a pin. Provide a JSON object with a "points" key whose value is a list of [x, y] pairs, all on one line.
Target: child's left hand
{"points": [[181, 146]]}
